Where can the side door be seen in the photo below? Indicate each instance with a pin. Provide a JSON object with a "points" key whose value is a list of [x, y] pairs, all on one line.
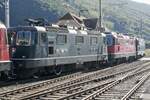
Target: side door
{"points": [[43, 44], [51, 45], [79, 42], [94, 46]]}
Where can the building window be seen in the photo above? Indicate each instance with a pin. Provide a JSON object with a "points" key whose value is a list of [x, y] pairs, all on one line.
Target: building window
{"points": [[61, 39], [79, 39]]}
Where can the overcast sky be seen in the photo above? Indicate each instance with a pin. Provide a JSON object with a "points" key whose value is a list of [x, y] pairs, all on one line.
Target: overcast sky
{"points": [[143, 1]]}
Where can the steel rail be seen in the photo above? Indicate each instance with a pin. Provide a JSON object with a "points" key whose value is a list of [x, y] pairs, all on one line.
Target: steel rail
{"points": [[83, 76], [39, 84], [49, 82], [40, 94], [99, 92], [133, 90], [50, 90]]}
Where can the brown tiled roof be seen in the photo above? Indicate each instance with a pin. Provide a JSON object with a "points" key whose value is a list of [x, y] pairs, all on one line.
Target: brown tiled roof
{"points": [[71, 20]]}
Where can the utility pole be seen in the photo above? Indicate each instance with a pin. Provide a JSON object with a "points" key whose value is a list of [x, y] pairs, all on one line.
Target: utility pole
{"points": [[99, 23], [100, 14], [7, 17], [141, 26]]}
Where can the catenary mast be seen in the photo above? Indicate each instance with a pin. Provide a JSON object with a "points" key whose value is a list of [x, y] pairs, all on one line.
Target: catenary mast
{"points": [[7, 16], [99, 23], [100, 14]]}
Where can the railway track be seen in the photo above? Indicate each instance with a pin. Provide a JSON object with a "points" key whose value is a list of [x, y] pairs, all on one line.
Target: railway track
{"points": [[9, 84], [141, 90], [13, 84], [89, 94], [118, 89], [138, 85], [68, 87]]}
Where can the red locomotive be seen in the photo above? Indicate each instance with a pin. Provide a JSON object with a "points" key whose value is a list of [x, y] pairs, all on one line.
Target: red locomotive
{"points": [[4, 52], [120, 47]]}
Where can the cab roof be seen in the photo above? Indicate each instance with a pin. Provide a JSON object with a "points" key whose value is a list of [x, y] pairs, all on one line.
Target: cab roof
{"points": [[33, 28]]}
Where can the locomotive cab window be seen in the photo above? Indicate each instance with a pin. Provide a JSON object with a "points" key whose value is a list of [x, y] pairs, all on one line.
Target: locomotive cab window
{"points": [[109, 40], [23, 38], [61, 39], [79, 39]]}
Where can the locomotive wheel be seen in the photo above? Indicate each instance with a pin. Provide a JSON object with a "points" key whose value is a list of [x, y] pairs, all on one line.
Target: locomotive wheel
{"points": [[25, 73], [48, 70], [57, 70], [3, 76], [110, 63]]}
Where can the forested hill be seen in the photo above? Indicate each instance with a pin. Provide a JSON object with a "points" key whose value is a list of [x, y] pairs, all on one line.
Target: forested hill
{"points": [[118, 15]]}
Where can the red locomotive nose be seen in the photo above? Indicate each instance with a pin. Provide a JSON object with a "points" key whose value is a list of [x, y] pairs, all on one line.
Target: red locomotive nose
{"points": [[4, 48]]}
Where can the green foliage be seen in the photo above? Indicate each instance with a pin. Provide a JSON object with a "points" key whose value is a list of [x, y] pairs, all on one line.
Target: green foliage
{"points": [[147, 52], [109, 25], [118, 15], [52, 5]]}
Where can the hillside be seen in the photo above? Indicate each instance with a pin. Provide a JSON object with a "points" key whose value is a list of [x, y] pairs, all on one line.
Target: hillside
{"points": [[118, 15]]}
